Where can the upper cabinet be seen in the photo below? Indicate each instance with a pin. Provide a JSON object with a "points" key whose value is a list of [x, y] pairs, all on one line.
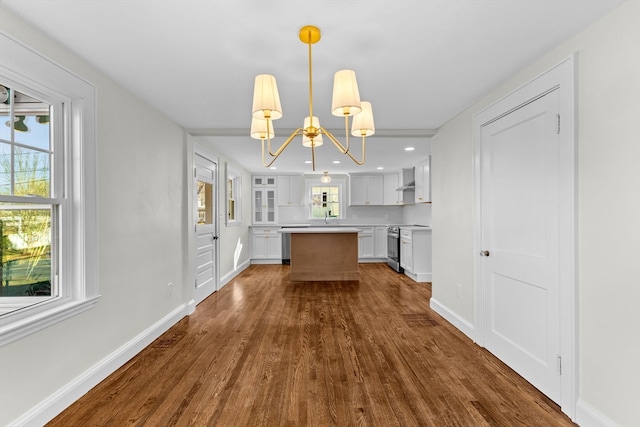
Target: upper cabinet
{"points": [[366, 190], [423, 181], [264, 199], [264, 181], [264, 206], [290, 190], [393, 197]]}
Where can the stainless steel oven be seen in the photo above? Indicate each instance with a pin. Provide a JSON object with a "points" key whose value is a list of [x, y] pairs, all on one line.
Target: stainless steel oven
{"points": [[393, 248]]}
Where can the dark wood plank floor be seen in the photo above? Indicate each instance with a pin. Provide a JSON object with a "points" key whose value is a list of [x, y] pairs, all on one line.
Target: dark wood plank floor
{"points": [[267, 352]]}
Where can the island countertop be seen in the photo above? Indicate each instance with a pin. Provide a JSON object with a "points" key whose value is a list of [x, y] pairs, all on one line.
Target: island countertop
{"points": [[328, 230]]}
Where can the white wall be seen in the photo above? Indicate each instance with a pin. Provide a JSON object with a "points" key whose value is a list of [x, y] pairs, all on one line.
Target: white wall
{"points": [[608, 87], [141, 203]]}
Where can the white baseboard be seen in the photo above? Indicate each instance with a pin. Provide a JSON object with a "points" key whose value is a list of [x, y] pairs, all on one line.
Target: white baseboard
{"points": [[266, 261], [49, 408], [230, 275], [450, 316], [418, 277], [588, 416]]}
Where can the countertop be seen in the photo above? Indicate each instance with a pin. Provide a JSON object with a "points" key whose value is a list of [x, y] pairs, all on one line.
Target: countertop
{"points": [[330, 230]]}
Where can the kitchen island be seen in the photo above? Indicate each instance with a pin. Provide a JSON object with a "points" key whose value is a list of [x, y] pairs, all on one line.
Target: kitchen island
{"points": [[323, 254]]}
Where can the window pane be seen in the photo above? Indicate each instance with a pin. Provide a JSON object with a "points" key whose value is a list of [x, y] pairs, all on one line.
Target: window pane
{"points": [[325, 202], [25, 250], [31, 122], [5, 168], [205, 203], [31, 171]]}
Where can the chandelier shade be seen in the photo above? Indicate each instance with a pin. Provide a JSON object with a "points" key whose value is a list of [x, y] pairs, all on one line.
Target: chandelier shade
{"points": [[266, 100], [346, 97], [363, 122], [259, 129], [345, 103], [311, 127]]}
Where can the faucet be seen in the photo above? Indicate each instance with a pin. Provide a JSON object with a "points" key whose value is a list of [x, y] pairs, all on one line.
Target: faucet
{"points": [[326, 217]]}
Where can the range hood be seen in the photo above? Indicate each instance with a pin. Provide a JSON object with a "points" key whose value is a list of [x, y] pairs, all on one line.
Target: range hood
{"points": [[408, 180]]}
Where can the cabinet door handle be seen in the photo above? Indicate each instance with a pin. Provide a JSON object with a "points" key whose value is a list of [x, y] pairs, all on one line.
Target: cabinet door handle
{"points": [[485, 253]]}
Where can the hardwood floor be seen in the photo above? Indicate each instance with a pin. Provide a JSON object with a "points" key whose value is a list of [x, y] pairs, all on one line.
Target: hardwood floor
{"points": [[267, 352]]}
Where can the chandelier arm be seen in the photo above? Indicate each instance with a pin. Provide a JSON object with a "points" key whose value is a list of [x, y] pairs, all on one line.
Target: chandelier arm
{"points": [[269, 124], [360, 163], [335, 141], [346, 132], [281, 149]]}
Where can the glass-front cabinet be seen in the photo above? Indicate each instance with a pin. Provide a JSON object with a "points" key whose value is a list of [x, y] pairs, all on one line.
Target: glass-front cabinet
{"points": [[264, 206]]}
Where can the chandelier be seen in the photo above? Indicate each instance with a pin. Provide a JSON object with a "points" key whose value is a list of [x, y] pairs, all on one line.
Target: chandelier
{"points": [[345, 102]]}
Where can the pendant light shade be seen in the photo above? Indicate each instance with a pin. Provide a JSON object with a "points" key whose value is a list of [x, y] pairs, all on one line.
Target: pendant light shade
{"points": [[259, 129], [325, 178], [317, 140], [266, 100], [346, 97], [363, 122]]}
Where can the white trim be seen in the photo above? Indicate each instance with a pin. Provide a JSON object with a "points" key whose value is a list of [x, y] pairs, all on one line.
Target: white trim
{"points": [[452, 317], [419, 277], [28, 325], [562, 76], [53, 405], [588, 416]]}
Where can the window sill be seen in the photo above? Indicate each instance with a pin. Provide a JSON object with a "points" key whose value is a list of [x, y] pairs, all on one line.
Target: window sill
{"points": [[14, 329]]}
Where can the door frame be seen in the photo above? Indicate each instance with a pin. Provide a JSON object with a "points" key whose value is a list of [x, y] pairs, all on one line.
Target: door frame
{"points": [[561, 77], [194, 148]]}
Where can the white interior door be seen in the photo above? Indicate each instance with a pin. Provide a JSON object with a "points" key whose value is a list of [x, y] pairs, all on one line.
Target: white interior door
{"points": [[206, 239], [520, 241]]}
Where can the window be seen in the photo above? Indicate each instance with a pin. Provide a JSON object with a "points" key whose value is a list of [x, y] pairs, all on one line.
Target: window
{"points": [[48, 264], [325, 202], [234, 196], [29, 208]]}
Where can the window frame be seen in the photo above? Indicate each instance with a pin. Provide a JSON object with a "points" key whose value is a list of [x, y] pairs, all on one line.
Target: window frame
{"points": [[336, 182], [27, 71], [233, 174]]}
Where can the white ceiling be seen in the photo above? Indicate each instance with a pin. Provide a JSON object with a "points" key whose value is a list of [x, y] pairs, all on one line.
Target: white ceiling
{"points": [[419, 63]]}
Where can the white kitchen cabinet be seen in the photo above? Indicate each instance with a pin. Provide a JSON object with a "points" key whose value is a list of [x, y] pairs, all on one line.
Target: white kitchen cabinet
{"points": [[289, 190], [392, 197], [423, 181], [264, 206], [415, 253], [262, 181], [365, 242], [266, 245], [380, 242], [366, 190]]}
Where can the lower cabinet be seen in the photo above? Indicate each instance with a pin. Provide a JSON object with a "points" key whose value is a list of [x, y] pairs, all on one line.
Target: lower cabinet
{"points": [[365, 242], [266, 245], [380, 242], [415, 253]]}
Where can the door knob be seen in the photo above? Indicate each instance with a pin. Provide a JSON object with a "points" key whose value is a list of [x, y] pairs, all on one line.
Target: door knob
{"points": [[484, 253]]}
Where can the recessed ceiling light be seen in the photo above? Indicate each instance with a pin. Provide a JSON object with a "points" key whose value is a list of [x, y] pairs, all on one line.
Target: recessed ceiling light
{"points": [[409, 148], [273, 167], [335, 162], [308, 162], [380, 168]]}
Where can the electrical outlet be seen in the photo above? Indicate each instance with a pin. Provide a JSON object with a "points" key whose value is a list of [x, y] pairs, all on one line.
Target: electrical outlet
{"points": [[169, 289], [459, 290]]}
